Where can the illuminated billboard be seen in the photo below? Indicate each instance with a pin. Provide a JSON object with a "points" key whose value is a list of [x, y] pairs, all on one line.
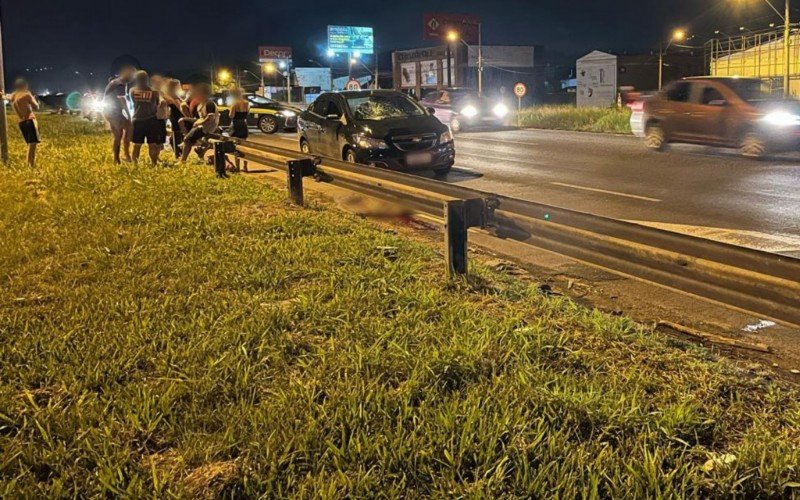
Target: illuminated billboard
{"points": [[351, 39]]}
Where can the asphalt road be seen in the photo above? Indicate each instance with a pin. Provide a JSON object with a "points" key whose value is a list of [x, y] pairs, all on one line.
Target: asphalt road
{"points": [[703, 191]]}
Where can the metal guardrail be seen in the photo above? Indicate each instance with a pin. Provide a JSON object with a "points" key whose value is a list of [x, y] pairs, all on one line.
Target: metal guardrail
{"points": [[757, 282]]}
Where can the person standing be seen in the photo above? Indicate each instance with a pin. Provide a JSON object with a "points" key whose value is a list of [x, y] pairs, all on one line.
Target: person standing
{"points": [[146, 125], [117, 114], [177, 110], [240, 109], [24, 104]]}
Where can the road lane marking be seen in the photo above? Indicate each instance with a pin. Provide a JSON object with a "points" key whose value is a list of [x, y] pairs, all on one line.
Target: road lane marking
{"points": [[604, 191], [773, 243]]}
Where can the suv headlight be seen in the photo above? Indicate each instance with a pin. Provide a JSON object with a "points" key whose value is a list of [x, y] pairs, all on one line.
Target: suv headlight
{"points": [[288, 113], [367, 142], [446, 137], [501, 110], [469, 111], [782, 119]]}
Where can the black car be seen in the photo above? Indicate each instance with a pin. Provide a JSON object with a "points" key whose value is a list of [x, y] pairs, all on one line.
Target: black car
{"points": [[268, 115], [383, 128], [464, 108]]}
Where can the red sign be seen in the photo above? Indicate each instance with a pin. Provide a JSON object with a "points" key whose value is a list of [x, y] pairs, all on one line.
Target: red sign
{"points": [[520, 89], [436, 26], [274, 53]]}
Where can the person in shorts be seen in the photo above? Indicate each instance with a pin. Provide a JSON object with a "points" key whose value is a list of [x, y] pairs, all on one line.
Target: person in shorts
{"points": [[24, 104], [207, 122], [117, 114], [147, 128]]}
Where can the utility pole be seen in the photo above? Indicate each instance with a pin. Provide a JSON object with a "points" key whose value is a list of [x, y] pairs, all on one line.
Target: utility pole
{"points": [[480, 61], [3, 121]]}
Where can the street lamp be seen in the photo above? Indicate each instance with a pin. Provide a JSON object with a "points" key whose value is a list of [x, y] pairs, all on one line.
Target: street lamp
{"points": [[453, 36], [678, 35], [224, 76]]}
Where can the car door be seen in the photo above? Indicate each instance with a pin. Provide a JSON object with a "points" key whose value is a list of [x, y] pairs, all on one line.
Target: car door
{"points": [[709, 114], [311, 123], [676, 111], [331, 128]]}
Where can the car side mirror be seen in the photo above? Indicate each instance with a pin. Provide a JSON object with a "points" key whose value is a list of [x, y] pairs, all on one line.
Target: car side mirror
{"points": [[431, 110], [718, 102]]}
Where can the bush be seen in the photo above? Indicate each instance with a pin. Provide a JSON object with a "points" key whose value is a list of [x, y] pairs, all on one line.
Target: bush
{"points": [[612, 120]]}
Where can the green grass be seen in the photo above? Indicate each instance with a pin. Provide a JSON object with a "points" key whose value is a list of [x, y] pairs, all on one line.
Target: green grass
{"points": [[612, 120], [164, 333]]}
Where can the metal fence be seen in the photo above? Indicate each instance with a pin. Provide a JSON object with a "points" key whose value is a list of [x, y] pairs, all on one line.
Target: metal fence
{"points": [[756, 55]]}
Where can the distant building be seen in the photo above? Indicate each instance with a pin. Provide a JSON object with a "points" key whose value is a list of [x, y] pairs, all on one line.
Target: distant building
{"points": [[419, 70], [759, 55]]}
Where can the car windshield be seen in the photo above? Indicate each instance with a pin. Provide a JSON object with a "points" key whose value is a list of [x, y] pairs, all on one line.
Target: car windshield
{"points": [[383, 106], [749, 90], [257, 99]]}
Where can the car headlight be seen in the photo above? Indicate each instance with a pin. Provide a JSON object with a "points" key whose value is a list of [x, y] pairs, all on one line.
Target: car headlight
{"points": [[367, 142], [446, 137], [782, 119], [288, 113], [501, 110], [469, 111]]}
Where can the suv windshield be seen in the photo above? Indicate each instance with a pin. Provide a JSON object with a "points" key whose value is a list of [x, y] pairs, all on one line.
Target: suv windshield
{"points": [[749, 90], [383, 106]]}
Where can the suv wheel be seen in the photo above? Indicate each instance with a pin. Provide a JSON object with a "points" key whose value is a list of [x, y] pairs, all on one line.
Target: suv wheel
{"points": [[350, 156], [304, 147], [654, 137], [753, 146], [268, 124]]}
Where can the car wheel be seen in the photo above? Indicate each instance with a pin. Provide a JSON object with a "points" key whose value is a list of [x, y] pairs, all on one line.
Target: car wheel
{"points": [[304, 147], [455, 125], [441, 172], [655, 138], [268, 124], [350, 156], [753, 146]]}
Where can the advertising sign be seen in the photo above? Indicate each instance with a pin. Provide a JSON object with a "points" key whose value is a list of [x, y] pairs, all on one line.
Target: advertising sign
{"points": [[597, 80], [430, 74], [408, 75], [351, 39], [435, 26], [268, 53], [313, 78]]}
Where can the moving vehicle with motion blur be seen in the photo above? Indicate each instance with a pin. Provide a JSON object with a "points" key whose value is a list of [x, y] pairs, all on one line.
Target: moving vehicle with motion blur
{"points": [[267, 115], [464, 108], [383, 128], [719, 111]]}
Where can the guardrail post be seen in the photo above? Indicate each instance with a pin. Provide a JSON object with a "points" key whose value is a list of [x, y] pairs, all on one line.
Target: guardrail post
{"points": [[294, 178], [459, 216]]}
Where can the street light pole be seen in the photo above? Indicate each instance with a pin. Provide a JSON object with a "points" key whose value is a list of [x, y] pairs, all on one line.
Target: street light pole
{"points": [[786, 49]]}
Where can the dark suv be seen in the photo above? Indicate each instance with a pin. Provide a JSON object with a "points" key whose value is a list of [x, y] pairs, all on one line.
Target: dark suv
{"points": [[727, 112], [383, 128]]}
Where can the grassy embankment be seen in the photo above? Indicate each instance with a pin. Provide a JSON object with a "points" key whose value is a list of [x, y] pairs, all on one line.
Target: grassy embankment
{"points": [[162, 331], [611, 120]]}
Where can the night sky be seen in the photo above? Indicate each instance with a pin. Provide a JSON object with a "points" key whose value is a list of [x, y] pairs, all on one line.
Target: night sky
{"points": [[179, 35]]}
